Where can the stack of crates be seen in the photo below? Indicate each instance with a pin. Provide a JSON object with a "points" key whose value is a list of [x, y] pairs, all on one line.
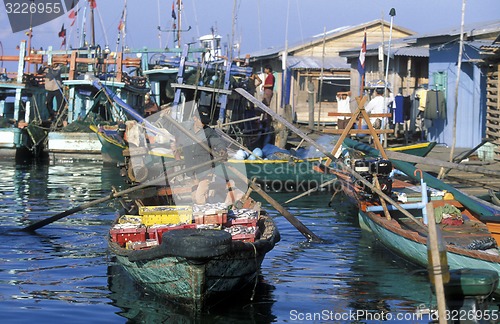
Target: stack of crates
{"points": [[124, 233], [243, 225], [210, 214]]}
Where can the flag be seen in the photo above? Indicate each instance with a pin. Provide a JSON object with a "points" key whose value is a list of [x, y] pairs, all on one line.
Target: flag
{"points": [[362, 55], [72, 13], [121, 25], [174, 16], [93, 4], [62, 34]]}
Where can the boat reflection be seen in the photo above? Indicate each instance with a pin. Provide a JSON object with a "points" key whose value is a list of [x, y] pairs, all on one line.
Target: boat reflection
{"points": [[138, 306]]}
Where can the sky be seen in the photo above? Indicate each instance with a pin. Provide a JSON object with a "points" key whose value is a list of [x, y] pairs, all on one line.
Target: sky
{"points": [[253, 24]]}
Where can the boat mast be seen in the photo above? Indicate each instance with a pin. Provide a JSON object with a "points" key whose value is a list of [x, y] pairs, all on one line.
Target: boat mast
{"points": [[92, 28], [179, 22], [82, 39], [30, 33]]}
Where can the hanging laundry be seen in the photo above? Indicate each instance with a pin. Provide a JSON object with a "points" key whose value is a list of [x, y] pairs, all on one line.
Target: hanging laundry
{"points": [[435, 105], [421, 95]]}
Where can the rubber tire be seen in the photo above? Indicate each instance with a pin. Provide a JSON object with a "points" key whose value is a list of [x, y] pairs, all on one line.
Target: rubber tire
{"points": [[197, 243]]}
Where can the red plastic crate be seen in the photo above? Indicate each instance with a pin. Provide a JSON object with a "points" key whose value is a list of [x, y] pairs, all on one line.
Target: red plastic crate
{"points": [[245, 237], [132, 234], [243, 221], [210, 219], [156, 233]]}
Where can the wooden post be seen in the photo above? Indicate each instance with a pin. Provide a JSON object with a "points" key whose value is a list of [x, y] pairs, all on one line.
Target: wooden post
{"points": [[119, 66], [310, 101], [436, 263], [72, 65], [382, 201]]}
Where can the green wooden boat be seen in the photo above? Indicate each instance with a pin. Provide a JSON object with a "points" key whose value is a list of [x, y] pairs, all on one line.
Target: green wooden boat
{"points": [[287, 173], [192, 266], [470, 242]]}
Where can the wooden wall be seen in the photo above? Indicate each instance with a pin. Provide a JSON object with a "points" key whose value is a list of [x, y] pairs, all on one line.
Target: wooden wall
{"points": [[493, 107]]}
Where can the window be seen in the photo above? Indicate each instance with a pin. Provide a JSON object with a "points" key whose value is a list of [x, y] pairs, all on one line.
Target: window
{"points": [[330, 87]]}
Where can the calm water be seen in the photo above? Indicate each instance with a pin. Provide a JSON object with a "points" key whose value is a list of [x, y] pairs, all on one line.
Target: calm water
{"points": [[64, 273]]}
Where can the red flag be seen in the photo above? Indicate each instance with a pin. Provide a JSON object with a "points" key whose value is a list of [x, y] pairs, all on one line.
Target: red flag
{"points": [[362, 55], [62, 33], [121, 25], [93, 4], [174, 16]]}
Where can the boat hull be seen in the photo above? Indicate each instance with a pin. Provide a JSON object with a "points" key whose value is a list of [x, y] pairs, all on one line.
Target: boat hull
{"points": [[198, 282], [73, 145], [195, 283], [22, 144], [414, 249]]}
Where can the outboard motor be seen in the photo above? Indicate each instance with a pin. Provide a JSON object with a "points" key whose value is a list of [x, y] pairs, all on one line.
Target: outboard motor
{"points": [[368, 168]]}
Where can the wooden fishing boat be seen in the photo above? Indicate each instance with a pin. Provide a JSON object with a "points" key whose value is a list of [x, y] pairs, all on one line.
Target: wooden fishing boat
{"points": [[282, 172], [189, 262], [403, 230]]}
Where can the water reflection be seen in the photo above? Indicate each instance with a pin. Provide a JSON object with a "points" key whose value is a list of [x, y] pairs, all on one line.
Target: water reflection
{"points": [[137, 306], [64, 273]]}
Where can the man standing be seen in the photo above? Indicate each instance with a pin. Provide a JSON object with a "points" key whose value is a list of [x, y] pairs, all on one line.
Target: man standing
{"points": [[343, 106], [53, 86], [268, 85]]}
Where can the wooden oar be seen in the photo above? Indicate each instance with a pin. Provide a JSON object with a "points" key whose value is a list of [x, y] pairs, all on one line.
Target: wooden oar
{"points": [[33, 227], [292, 219], [320, 148], [324, 184]]}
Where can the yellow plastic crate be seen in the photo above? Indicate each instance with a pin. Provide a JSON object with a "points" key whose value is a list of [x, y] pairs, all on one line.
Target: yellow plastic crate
{"points": [[153, 215]]}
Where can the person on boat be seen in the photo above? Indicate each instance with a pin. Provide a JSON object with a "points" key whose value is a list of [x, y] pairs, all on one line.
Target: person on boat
{"points": [[268, 86], [343, 106], [254, 81], [53, 87], [194, 153], [150, 107], [265, 118]]}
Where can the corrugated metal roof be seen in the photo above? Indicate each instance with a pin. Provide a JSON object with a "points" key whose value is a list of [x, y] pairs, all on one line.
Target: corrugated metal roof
{"points": [[478, 44], [470, 30], [337, 32], [417, 51], [312, 62]]}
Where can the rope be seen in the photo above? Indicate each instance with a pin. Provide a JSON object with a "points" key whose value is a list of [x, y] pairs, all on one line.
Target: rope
{"points": [[257, 272]]}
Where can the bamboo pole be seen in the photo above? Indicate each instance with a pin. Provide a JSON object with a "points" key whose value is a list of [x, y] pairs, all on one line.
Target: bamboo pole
{"points": [[320, 148], [435, 263], [457, 84]]}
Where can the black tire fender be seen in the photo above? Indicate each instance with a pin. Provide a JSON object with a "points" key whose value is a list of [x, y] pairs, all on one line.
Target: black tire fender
{"points": [[197, 243]]}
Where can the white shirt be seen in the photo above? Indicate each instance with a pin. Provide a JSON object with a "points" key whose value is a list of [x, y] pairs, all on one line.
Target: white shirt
{"points": [[343, 106], [377, 106]]}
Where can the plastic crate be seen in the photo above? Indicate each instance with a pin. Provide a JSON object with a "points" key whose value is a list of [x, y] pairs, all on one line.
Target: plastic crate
{"points": [[156, 232], [153, 215], [122, 235], [218, 218], [141, 245], [242, 221], [245, 237]]}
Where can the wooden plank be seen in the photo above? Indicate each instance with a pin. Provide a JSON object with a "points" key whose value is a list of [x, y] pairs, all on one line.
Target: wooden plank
{"points": [[201, 88], [358, 131], [493, 126], [350, 115]]}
